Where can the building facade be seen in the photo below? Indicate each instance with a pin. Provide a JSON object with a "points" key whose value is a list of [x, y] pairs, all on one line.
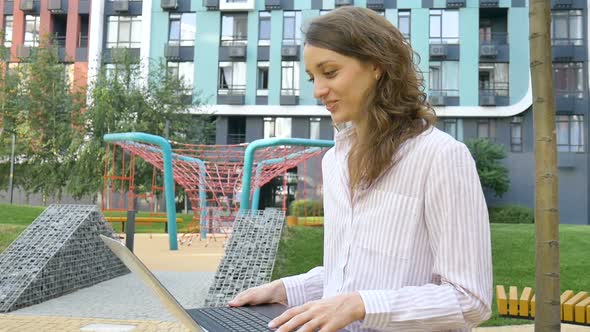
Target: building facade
{"points": [[245, 59]]}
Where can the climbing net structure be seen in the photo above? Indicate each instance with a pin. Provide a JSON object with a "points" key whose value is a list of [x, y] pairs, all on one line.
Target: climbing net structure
{"points": [[211, 175]]}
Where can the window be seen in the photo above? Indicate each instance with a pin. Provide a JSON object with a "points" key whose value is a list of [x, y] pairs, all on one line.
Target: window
{"points": [[234, 29], [264, 29], [291, 27], [124, 31], [486, 128], [184, 71], [183, 28], [290, 78], [493, 79], [450, 127], [127, 76], [232, 78], [314, 128], [568, 79], [570, 133], [444, 26], [277, 127], [32, 30], [8, 26], [566, 27], [444, 78], [403, 23], [262, 79], [516, 134]]}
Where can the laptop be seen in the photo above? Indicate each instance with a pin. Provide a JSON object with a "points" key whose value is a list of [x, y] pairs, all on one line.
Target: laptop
{"points": [[210, 319]]}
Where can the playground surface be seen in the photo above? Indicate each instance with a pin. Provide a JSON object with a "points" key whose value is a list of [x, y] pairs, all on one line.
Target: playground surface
{"points": [[124, 304]]}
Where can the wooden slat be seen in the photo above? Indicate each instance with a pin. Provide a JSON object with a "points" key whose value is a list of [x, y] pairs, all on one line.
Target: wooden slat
{"points": [[564, 298], [501, 300], [141, 219], [533, 307], [580, 310], [568, 306], [513, 301], [524, 303]]}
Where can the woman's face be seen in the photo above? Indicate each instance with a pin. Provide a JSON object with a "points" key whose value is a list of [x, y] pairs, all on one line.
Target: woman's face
{"points": [[339, 81]]}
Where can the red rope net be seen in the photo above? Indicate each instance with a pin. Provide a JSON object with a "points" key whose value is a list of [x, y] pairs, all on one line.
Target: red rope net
{"points": [[223, 174]]}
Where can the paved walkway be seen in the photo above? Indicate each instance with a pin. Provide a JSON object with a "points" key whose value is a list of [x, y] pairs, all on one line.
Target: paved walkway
{"points": [[125, 304]]}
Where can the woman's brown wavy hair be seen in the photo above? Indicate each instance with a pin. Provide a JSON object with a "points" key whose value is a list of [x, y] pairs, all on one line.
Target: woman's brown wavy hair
{"points": [[397, 109]]}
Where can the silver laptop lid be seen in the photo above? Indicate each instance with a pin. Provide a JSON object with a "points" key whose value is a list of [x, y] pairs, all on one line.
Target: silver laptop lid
{"points": [[137, 267]]}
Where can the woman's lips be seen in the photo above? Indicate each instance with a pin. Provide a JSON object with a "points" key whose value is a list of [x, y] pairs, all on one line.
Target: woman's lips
{"points": [[331, 106]]}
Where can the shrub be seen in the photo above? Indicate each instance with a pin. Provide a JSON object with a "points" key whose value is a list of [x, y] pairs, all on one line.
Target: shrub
{"points": [[306, 207], [512, 214]]}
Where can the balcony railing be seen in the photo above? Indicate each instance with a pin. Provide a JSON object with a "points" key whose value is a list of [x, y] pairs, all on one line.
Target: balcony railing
{"points": [[60, 41], [232, 90], [567, 41], [495, 38], [236, 138], [444, 40], [569, 93], [234, 40], [444, 92], [498, 91], [82, 41]]}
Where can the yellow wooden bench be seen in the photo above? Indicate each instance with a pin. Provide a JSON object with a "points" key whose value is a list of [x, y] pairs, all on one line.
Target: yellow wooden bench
{"points": [[575, 307]]}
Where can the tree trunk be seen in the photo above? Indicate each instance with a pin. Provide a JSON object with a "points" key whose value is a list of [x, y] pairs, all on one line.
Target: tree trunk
{"points": [[547, 296]]}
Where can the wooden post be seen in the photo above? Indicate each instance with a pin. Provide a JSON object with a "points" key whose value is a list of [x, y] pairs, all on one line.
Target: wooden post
{"points": [[547, 316]]}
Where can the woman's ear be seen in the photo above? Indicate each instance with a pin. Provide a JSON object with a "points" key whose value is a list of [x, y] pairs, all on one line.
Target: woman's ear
{"points": [[377, 72]]}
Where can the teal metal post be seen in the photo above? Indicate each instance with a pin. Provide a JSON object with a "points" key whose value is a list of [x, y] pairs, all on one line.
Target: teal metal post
{"points": [[168, 178], [264, 143], [202, 193]]}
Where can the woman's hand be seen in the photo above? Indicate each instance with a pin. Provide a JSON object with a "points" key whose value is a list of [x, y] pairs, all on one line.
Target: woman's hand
{"points": [[273, 292], [326, 315]]}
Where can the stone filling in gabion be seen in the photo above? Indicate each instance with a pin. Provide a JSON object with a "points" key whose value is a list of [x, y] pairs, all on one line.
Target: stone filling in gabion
{"points": [[249, 256], [58, 253]]}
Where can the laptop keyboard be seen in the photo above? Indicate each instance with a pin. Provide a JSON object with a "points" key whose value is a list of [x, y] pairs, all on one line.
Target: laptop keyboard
{"points": [[238, 319]]}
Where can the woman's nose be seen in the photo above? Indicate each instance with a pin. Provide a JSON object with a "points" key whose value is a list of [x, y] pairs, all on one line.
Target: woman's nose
{"points": [[319, 90]]}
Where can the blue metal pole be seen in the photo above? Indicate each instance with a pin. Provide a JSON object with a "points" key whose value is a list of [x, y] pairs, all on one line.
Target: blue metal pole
{"points": [[263, 143], [168, 178]]}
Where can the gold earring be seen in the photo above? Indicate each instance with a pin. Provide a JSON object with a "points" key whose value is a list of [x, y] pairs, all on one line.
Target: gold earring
{"points": [[377, 77]]}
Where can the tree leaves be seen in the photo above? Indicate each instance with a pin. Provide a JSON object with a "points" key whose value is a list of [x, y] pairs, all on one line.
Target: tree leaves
{"points": [[492, 173]]}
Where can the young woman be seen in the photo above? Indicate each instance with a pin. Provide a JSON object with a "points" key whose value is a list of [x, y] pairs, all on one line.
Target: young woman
{"points": [[407, 240]]}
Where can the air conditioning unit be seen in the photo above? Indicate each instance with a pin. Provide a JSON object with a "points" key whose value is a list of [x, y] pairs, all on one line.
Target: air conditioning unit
{"points": [[488, 3], [487, 100], [172, 52], [54, 5], [121, 5], [438, 50], [376, 4], [26, 5], [23, 51], [562, 4], [289, 51], [169, 4], [211, 4], [237, 51], [340, 3], [455, 3], [488, 50], [272, 4], [437, 100]]}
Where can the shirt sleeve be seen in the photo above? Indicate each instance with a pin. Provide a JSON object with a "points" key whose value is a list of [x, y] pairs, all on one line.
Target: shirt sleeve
{"points": [[304, 287], [458, 228]]}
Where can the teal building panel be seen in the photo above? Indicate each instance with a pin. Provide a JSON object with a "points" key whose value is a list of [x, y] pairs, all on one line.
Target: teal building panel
{"points": [[158, 32], [410, 4], [360, 3], [391, 16], [251, 56], [419, 39], [306, 87], [207, 54], [439, 4], [328, 4], [274, 70], [518, 39], [301, 5], [469, 55]]}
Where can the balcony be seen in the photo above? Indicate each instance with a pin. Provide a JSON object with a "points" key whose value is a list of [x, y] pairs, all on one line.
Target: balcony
{"points": [[27, 5], [376, 4], [272, 4], [290, 51], [562, 4], [172, 51], [489, 3], [456, 4], [23, 52], [340, 3], [232, 95], [289, 97], [567, 101], [494, 46], [237, 5], [211, 4], [438, 51], [168, 4], [121, 6], [56, 6], [236, 138], [494, 97], [443, 97]]}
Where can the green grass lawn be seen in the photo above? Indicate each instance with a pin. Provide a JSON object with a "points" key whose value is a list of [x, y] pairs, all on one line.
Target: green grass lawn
{"points": [[301, 248]]}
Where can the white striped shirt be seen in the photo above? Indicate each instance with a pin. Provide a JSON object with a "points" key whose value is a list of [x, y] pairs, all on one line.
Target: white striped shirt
{"points": [[416, 245]]}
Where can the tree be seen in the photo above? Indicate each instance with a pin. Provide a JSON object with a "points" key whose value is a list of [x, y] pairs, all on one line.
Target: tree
{"points": [[121, 101], [45, 111], [492, 173], [546, 180]]}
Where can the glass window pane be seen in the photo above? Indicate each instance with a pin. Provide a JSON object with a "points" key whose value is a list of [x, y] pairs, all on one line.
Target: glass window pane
{"points": [[8, 26], [450, 26], [241, 27], [124, 32], [289, 28], [112, 31], [264, 29], [314, 128], [136, 33], [186, 71], [575, 29], [283, 127], [188, 28], [174, 34], [559, 26], [227, 27], [435, 26], [562, 135]]}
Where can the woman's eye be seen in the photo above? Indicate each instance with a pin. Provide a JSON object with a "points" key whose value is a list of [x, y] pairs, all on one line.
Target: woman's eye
{"points": [[330, 73], [310, 79]]}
